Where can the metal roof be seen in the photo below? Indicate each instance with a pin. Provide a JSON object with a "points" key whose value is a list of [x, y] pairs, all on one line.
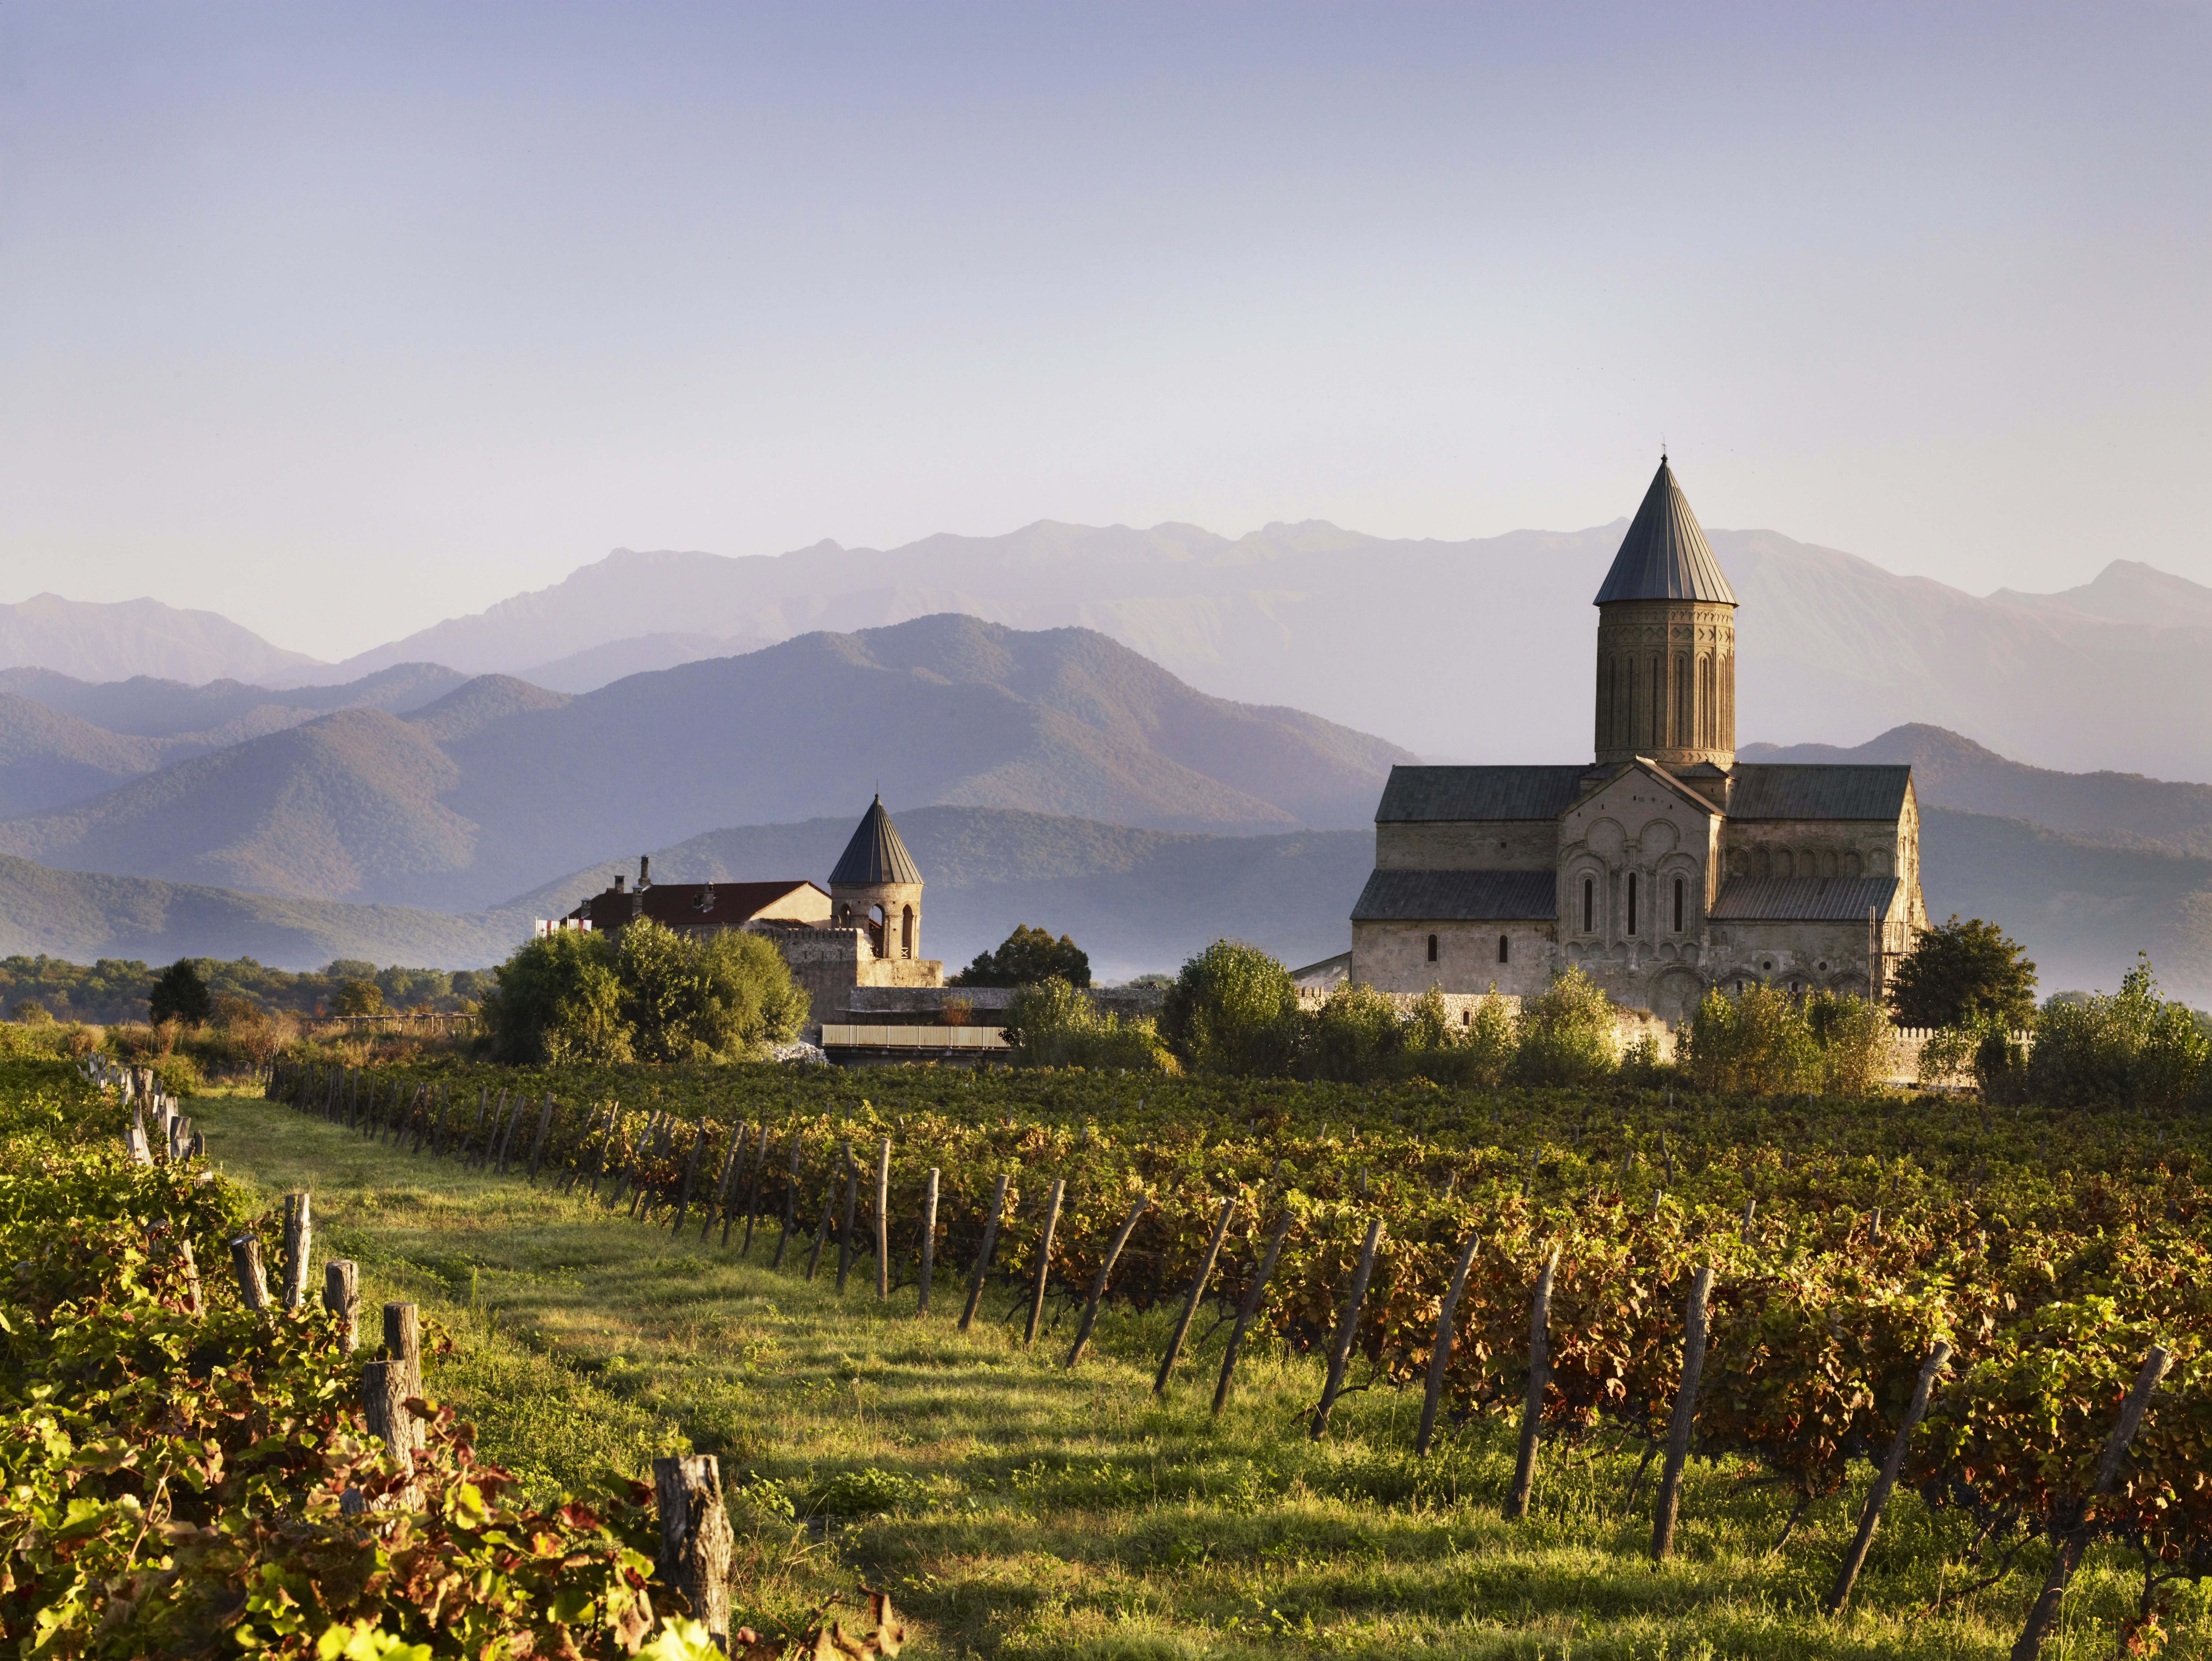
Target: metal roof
{"points": [[1795, 790], [875, 855], [1803, 899], [1665, 555], [1457, 897], [1418, 793]]}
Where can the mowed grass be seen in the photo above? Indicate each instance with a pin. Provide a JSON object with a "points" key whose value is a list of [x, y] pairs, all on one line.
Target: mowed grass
{"points": [[1017, 1508]]}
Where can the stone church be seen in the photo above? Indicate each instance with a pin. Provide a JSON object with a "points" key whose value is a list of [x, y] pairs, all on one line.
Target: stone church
{"points": [[1664, 866]]}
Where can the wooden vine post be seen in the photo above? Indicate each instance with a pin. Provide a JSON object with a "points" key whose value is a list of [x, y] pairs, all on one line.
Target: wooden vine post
{"points": [[2076, 1541], [1043, 1261], [299, 1238], [1105, 1272], [341, 1298], [403, 1348], [1878, 1496], [1440, 1352], [733, 1160], [790, 1201], [983, 1255], [1339, 1349], [1685, 1413], [1253, 1294], [691, 1175], [246, 1263], [1190, 1303], [384, 1393], [759, 1189], [538, 1142], [822, 1228], [929, 1243], [696, 1539], [852, 1215], [884, 1221], [1539, 1379]]}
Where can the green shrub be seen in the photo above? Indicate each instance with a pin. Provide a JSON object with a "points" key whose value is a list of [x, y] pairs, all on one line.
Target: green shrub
{"points": [[1757, 1043], [1858, 1044], [1356, 1035], [1233, 1009], [1961, 974], [558, 1000], [2129, 1047], [1051, 1023], [359, 996], [1567, 1034]]}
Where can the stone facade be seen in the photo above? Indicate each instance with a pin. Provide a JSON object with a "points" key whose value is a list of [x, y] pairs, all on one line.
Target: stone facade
{"points": [[1676, 868]]}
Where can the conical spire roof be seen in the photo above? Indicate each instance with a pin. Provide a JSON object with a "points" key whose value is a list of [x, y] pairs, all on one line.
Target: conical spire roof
{"points": [[875, 855], [1665, 555]]}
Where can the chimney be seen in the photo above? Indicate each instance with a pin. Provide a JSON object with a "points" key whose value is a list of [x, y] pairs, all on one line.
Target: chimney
{"points": [[618, 882], [645, 870]]}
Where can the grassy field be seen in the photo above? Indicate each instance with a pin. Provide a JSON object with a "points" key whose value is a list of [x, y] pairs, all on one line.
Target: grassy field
{"points": [[1017, 1509]]}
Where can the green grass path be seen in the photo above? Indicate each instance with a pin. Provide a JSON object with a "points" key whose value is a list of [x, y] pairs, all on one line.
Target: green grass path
{"points": [[1017, 1509]]}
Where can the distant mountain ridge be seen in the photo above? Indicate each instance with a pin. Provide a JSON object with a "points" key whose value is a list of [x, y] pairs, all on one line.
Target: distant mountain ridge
{"points": [[114, 641], [1455, 649], [491, 786]]}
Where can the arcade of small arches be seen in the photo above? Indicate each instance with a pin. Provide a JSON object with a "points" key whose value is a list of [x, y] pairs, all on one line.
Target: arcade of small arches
{"points": [[877, 922]]}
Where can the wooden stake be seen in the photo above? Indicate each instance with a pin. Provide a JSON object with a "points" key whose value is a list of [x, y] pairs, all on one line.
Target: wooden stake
{"points": [[1686, 1413], [538, 1145], [341, 1298], [1878, 1496], [1540, 1377], [928, 1243], [790, 1201], [1340, 1350], [1440, 1352], [757, 1186], [468, 1142], [299, 1236], [691, 1175], [384, 1393], [1174, 1351], [246, 1263], [696, 1538], [194, 1302], [1105, 1272], [983, 1255], [2076, 1541], [1253, 1296], [852, 1215], [822, 1228], [884, 1221], [1043, 1260], [732, 1160], [403, 1347]]}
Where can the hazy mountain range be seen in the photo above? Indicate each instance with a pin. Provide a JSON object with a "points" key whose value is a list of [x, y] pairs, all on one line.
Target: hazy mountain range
{"points": [[1466, 650], [483, 792], [429, 806]]}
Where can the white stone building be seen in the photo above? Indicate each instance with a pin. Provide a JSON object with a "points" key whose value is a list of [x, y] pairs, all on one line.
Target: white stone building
{"points": [[1664, 866]]}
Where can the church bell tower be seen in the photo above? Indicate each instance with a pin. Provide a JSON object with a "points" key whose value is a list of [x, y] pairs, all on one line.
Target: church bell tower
{"points": [[1666, 641]]}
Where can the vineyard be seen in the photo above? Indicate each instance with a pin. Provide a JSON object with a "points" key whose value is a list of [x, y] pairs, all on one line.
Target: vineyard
{"points": [[2009, 1308]]}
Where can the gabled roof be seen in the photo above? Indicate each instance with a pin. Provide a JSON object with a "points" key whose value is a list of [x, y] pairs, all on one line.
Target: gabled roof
{"points": [[1810, 790], [1802, 899], [1418, 793], [698, 905], [875, 855], [1458, 897], [1665, 555]]}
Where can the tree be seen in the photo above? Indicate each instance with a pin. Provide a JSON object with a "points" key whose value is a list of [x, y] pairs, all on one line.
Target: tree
{"points": [[180, 995], [1051, 1023], [360, 997], [1962, 974], [649, 993], [1026, 957], [1233, 1009]]}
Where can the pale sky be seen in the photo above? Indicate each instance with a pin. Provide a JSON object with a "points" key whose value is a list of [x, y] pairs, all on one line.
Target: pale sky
{"points": [[340, 320]]}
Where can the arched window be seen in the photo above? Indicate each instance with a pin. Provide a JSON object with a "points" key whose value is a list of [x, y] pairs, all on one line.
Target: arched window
{"points": [[1590, 903], [1658, 707], [1678, 905], [906, 932], [1432, 948], [1631, 902], [1502, 949], [878, 931]]}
